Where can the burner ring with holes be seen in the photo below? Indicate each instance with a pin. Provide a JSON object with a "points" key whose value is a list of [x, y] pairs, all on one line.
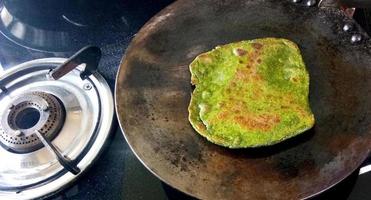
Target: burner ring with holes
{"points": [[28, 113]]}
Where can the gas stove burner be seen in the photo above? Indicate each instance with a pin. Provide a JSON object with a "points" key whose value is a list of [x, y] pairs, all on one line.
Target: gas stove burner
{"points": [[52, 126], [26, 114]]}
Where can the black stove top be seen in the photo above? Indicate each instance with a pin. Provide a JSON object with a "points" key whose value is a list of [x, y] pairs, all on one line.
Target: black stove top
{"points": [[117, 174]]}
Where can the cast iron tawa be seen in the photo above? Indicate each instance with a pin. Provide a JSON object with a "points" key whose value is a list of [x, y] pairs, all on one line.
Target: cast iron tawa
{"points": [[153, 91]]}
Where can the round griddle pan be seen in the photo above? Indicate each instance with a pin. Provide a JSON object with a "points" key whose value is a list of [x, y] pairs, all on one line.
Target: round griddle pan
{"points": [[153, 91]]}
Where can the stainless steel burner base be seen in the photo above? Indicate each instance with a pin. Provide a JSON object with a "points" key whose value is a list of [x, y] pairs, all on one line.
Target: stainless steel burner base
{"points": [[89, 110]]}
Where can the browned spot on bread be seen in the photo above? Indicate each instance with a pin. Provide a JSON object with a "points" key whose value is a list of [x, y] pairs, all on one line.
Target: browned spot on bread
{"points": [[201, 127], [223, 115], [301, 111], [241, 74], [194, 81], [257, 77], [222, 104], [257, 91], [247, 73], [276, 120], [206, 58], [261, 122], [253, 58], [236, 109], [206, 108], [250, 123], [257, 45], [255, 97], [239, 52]]}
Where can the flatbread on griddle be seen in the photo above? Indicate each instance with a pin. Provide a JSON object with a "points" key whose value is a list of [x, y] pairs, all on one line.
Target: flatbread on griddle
{"points": [[250, 93]]}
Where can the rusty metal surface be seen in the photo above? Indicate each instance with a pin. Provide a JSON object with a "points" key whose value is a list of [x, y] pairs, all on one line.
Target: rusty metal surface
{"points": [[153, 91]]}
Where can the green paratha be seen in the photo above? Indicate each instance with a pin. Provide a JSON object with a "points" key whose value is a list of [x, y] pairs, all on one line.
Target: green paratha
{"points": [[250, 93]]}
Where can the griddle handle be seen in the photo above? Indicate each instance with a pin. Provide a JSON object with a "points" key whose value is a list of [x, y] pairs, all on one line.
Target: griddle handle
{"points": [[89, 55]]}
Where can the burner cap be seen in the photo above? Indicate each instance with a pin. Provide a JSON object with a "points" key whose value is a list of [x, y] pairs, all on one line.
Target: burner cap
{"points": [[28, 113], [50, 130]]}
